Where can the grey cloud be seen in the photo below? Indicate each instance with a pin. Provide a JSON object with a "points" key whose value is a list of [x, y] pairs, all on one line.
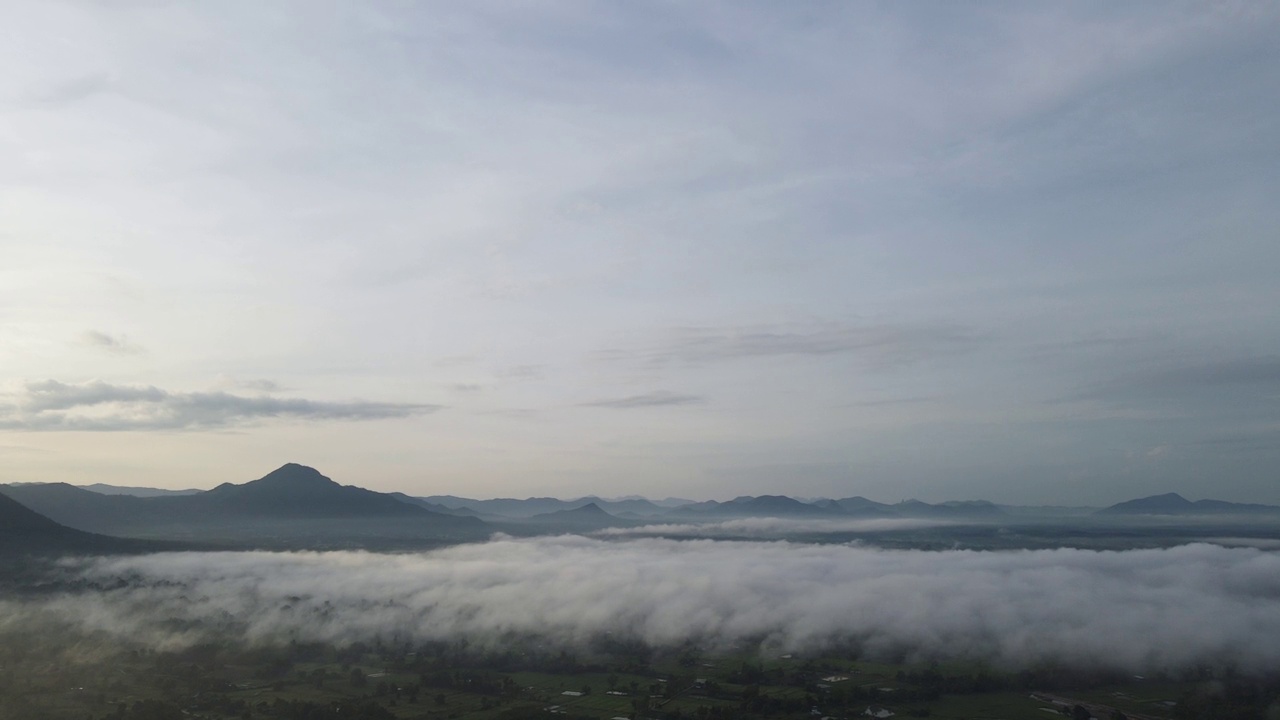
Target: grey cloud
{"points": [[887, 402], [466, 387], [262, 385], [878, 345], [51, 395], [1236, 371], [653, 399], [51, 405], [1137, 610], [524, 372], [74, 90], [119, 345], [1236, 381], [1242, 441]]}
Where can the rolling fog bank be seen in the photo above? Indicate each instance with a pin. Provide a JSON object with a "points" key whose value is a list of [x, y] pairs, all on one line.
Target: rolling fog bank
{"points": [[1134, 610]]}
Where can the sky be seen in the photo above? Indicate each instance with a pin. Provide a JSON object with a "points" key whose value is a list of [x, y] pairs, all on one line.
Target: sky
{"points": [[1022, 252]]}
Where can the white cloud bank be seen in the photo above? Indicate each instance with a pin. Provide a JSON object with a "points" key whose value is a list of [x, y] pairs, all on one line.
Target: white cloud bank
{"points": [[1140, 609]]}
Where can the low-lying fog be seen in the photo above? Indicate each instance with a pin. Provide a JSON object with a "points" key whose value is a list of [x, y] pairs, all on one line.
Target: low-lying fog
{"points": [[769, 527], [1137, 609]]}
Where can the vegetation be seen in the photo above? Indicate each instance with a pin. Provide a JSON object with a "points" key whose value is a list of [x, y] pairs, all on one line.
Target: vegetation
{"points": [[81, 678]]}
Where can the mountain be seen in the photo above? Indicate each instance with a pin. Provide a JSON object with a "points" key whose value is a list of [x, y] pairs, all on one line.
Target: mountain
{"points": [[954, 509], [104, 489], [297, 491], [588, 517], [1049, 511], [460, 511], [859, 506], [754, 506], [24, 531], [79, 508], [1166, 504], [778, 506], [290, 503], [1221, 507], [1175, 504], [636, 506], [696, 508], [508, 507], [528, 507], [18, 518]]}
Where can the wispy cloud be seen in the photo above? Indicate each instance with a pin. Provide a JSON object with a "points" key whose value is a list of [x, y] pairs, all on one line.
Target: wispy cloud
{"points": [[521, 372], [50, 405], [1235, 383], [1229, 372], [72, 90], [115, 344], [262, 385], [654, 399], [877, 345]]}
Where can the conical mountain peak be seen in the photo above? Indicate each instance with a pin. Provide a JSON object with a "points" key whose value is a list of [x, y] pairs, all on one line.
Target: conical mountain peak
{"points": [[296, 476]]}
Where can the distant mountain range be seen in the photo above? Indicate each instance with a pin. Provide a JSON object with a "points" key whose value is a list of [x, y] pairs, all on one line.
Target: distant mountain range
{"points": [[296, 506], [634, 508], [581, 519], [105, 489], [292, 503], [528, 507], [1175, 504]]}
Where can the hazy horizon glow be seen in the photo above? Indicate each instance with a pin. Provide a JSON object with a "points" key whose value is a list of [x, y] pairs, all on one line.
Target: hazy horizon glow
{"points": [[944, 251]]}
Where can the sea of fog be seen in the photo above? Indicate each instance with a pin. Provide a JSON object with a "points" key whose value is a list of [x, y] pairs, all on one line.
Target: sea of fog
{"points": [[1137, 609]]}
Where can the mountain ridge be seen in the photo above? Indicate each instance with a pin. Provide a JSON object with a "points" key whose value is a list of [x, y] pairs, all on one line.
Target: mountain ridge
{"points": [[296, 491], [294, 500], [1175, 504]]}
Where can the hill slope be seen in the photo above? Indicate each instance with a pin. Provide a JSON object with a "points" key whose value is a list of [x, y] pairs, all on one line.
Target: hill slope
{"points": [[297, 491], [24, 531], [291, 502], [588, 517], [1175, 504]]}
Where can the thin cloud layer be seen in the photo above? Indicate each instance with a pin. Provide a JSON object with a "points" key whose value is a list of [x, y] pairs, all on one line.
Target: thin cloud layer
{"points": [[117, 345], [877, 345], [260, 385], [771, 527], [653, 399], [1140, 609], [50, 405]]}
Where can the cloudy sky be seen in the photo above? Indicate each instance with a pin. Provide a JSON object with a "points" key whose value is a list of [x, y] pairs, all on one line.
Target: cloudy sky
{"points": [[1022, 252]]}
